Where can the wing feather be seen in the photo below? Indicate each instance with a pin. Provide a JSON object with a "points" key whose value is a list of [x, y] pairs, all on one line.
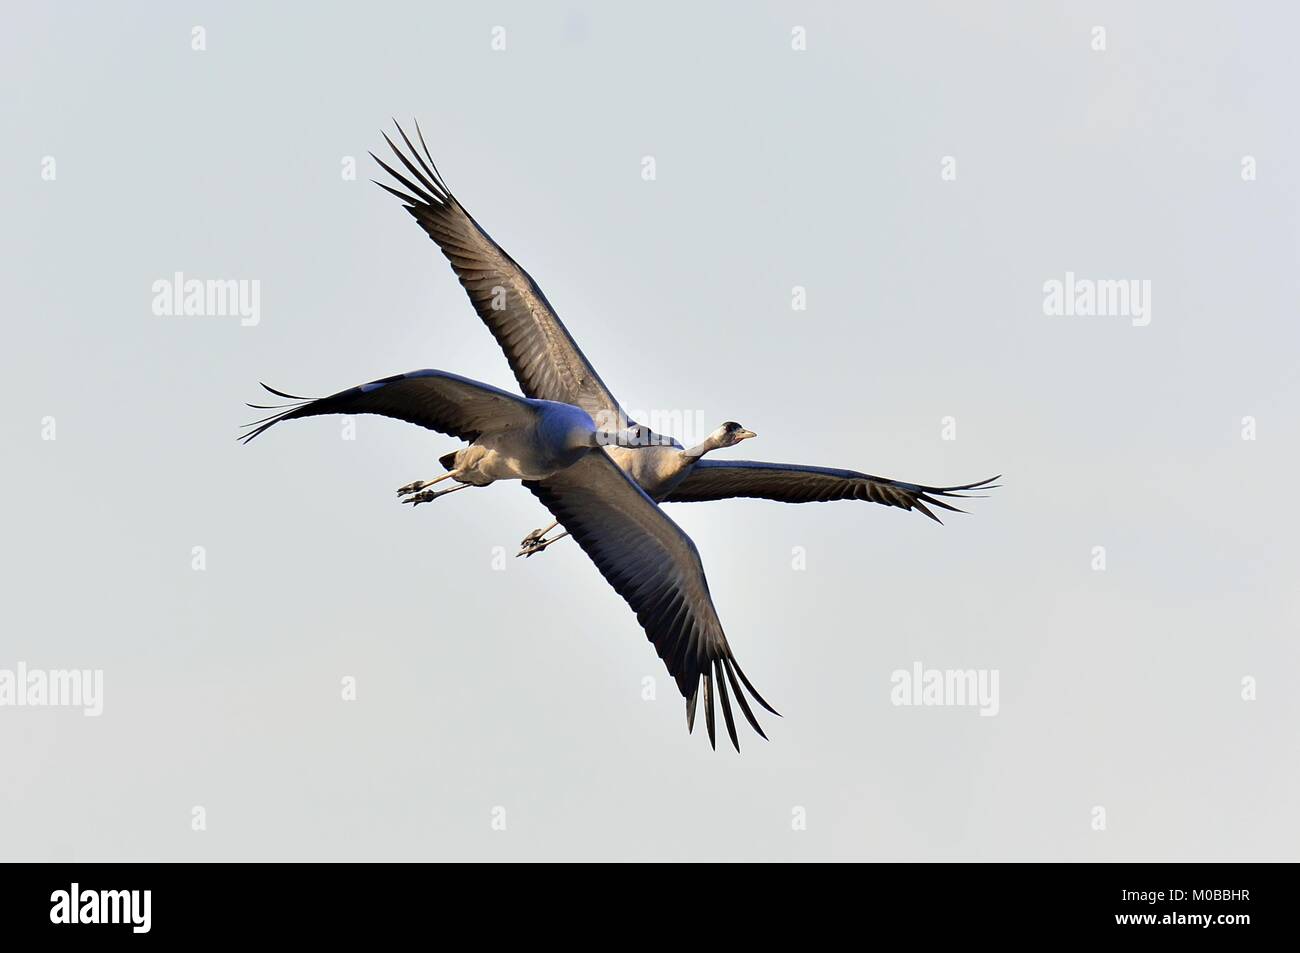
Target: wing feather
{"points": [[542, 354], [789, 483], [448, 403], [656, 568]]}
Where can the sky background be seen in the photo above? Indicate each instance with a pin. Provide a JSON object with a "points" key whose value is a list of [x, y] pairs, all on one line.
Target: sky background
{"points": [[521, 687]]}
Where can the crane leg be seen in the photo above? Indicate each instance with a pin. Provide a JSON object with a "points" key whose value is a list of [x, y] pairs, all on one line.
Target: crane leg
{"points": [[537, 534], [532, 546], [419, 485], [428, 496]]}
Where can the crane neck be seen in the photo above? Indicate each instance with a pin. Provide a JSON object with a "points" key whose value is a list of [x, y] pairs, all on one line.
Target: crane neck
{"points": [[711, 442]]}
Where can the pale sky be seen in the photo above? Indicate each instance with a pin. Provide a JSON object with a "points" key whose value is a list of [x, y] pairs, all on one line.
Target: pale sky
{"points": [[518, 692]]}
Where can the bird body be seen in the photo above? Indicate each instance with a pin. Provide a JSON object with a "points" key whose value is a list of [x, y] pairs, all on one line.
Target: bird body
{"points": [[548, 363], [559, 453], [655, 469], [558, 436], [601, 483], [658, 469], [511, 437]]}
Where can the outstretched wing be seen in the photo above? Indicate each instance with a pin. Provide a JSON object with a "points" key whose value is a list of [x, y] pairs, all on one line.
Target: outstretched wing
{"points": [[545, 360], [789, 483], [437, 400], [653, 565]]}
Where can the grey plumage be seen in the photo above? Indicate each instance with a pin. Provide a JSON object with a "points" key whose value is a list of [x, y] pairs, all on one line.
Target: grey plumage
{"points": [[557, 450], [437, 400], [655, 567], [539, 349], [789, 483], [554, 440], [548, 363]]}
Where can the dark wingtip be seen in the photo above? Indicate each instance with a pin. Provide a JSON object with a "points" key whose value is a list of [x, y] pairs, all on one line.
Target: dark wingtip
{"points": [[740, 698], [409, 203], [280, 393], [757, 697], [986, 484], [927, 496], [919, 505], [726, 704], [709, 718]]}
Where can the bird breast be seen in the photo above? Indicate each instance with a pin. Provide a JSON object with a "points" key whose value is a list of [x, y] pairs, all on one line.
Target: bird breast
{"points": [[555, 442], [655, 469]]}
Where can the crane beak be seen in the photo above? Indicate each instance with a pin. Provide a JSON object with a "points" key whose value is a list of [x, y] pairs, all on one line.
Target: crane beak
{"points": [[744, 435]]}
